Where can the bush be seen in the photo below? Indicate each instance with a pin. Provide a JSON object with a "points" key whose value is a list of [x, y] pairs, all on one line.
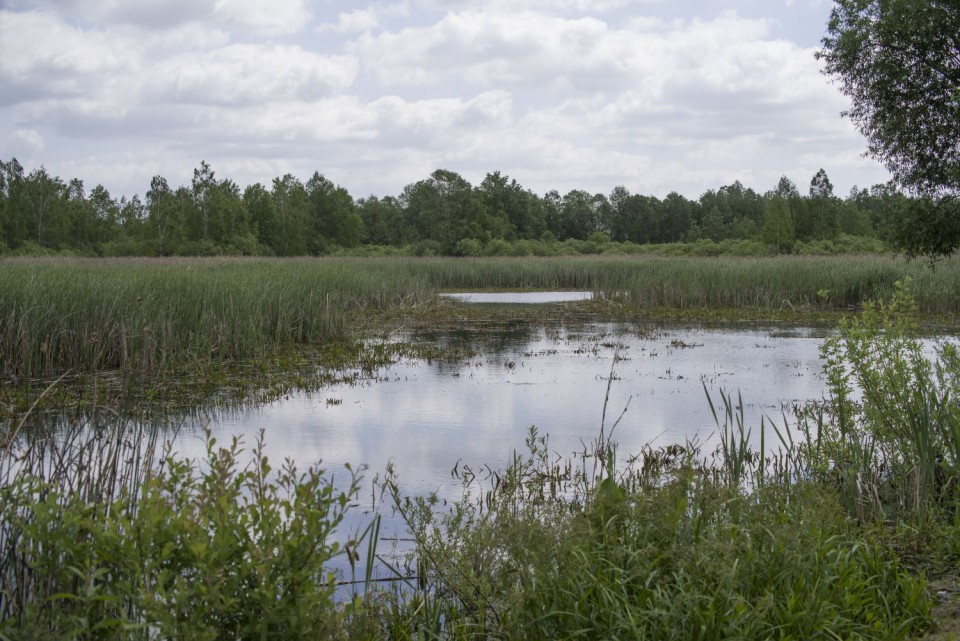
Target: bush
{"points": [[468, 247], [31, 248], [704, 247], [599, 238], [213, 551], [892, 439], [497, 247], [127, 247], [427, 248]]}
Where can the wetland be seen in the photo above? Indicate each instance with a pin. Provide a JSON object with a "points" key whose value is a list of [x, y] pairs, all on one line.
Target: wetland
{"points": [[703, 408]]}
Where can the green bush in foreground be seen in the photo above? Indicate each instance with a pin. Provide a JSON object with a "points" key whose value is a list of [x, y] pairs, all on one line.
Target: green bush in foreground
{"points": [[211, 551]]}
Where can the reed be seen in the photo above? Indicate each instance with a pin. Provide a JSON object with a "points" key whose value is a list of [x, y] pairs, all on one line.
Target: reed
{"points": [[811, 541], [139, 315], [674, 546], [152, 315]]}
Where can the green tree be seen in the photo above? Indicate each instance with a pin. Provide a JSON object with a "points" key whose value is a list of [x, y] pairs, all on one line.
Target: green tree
{"points": [[853, 220], [446, 209], [263, 216], [44, 195], [777, 227], [83, 229], [582, 214], [106, 213], [333, 215], [552, 213], [292, 209], [132, 230], [513, 211], [633, 217], [384, 222], [13, 221], [204, 182], [677, 212], [821, 196], [234, 229], [899, 62], [162, 216]]}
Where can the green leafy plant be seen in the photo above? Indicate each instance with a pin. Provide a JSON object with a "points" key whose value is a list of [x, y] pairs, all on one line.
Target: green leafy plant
{"points": [[893, 438], [211, 550]]}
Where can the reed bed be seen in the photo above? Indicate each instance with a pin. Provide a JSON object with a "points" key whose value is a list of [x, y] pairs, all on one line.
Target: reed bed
{"points": [[762, 283], [140, 315], [164, 314], [106, 534]]}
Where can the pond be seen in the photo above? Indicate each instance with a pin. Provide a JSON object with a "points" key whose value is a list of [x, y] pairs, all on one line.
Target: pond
{"points": [[519, 298], [427, 416]]}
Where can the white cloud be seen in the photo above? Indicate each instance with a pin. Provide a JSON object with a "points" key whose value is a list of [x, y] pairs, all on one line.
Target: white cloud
{"points": [[40, 56], [490, 47], [267, 16], [22, 143], [563, 95], [243, 73], [367, 18], [153, 14], [356, 21], [543, 6]]}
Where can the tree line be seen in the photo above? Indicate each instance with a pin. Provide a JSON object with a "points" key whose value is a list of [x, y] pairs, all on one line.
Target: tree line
{"points": [[442, 214]]}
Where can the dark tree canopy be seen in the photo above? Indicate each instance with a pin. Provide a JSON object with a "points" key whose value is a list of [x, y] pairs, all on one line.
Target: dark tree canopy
{"points": [[899, 62]]}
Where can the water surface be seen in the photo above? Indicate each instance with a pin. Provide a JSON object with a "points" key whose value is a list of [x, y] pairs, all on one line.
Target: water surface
{"points": [[519, 298], [427, 416]]}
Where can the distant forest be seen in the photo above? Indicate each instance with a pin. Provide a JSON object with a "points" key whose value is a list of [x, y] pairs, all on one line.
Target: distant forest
{"points": [[441, 215]]}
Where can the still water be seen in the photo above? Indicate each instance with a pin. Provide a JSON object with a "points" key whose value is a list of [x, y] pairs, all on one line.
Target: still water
{"points": [[427, 416]]}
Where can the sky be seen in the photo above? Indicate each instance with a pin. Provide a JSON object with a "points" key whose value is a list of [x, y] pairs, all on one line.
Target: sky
{"points": [[654, 95]]}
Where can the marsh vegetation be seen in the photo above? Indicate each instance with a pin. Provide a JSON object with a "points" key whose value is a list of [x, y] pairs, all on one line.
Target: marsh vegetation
{"points": [[834, 526]]}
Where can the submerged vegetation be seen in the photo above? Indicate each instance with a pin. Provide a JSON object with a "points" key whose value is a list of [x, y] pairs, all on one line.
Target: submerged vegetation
{"points": [[839, 532]]}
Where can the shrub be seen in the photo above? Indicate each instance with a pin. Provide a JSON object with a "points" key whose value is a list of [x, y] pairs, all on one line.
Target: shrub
{"points": [[599, 238], [892, 440], [497, 247], [468, 247], [212, 551]]}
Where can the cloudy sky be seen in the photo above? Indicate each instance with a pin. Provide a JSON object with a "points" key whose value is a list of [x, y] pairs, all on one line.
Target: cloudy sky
{"points": [[655, 95]]}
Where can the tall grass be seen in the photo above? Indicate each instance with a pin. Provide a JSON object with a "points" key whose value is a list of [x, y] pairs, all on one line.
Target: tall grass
{"points": [[155, 315], [140, 315], [672, 548]]}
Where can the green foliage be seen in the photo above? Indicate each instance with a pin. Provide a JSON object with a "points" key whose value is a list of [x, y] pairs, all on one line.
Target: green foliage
{"points": [[777, 226], [138, 316], [840, 245], [468, 247], [897, 61], [894, 433], [599, 238], [218, 550], [923, 226], [213, 216], [102, 538], [658, 550]]}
